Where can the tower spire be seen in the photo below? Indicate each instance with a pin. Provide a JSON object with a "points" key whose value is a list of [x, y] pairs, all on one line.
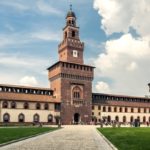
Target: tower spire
{"points": [[70, 7]]}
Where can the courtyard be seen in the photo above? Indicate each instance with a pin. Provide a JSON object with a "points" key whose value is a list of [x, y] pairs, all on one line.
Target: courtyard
{"points": [[76, 137]]}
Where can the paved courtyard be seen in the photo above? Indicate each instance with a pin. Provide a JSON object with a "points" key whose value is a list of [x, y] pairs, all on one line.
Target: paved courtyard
{"points": [[68, 138]]}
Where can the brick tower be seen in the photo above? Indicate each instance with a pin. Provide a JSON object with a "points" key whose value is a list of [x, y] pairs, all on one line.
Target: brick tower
{"points": [[70, 78]]}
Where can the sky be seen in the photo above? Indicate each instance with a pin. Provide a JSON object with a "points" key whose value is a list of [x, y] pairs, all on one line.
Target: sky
{"points": [[116, 36]]}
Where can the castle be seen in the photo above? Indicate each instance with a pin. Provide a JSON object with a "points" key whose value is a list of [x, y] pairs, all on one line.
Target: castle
{"points": [[70, 94]]}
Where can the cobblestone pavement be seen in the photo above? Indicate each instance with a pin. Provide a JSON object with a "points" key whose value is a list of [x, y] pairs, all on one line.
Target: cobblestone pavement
{"points": [[69, 138]]}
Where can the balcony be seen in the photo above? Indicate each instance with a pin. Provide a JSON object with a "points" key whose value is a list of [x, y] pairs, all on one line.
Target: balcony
{"points": [[78, 102]]}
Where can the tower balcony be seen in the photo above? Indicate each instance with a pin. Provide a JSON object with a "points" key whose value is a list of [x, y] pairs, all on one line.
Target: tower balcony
{"points": [[78, 102], [72, 43]]}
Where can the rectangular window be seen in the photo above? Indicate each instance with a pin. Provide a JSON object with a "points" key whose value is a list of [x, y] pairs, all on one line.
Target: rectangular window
{"points": [[139, 110], [92, 107], [57, 107], [132, 110]]}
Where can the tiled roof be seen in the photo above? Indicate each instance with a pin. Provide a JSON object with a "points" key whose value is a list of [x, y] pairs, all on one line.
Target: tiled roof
{"points": [[25, 87], [120, 100], [27, 97]]}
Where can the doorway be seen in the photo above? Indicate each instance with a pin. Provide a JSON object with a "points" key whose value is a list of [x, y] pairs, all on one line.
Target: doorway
{"points": [[76, 118]]}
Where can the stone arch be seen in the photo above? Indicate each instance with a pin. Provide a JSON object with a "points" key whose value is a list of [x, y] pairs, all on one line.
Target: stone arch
{"points": [[104, 109], [38, 105], [138, 118], [124, 119], [5, 104], [21, 117], [131, 119], [50, 118], [117, 119], [13, 104], [77, 93], [36, 118], [144, 119], [115, 109], [76, 118], [26, 105], [6, 117], [109, 118], [109, 109]]}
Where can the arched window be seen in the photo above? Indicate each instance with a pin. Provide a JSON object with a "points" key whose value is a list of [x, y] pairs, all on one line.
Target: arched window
{"points": [[139, 110], [144, 119], [38, 106], [77, 94], [26, 105], [46, 106], [117, 119], [69, 22], [132, 110], [36, 118], [115, 109], [21, 118], [104, 109], [65, 34], [131, 119], [13, 104], [126, 109], [73, 33], [120, 109], [139, 118], [6, 117], [50, 118], [72, 22], [109, 109], [109, 118], [124, 119], [5, 104], [93, 107]]}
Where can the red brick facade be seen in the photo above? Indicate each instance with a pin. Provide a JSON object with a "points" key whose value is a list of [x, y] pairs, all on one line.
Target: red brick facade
{"points": [[70, 79]]}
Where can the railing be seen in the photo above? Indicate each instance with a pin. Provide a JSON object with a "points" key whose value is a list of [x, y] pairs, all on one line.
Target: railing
{"points": [[78, 101], [72, 42]]}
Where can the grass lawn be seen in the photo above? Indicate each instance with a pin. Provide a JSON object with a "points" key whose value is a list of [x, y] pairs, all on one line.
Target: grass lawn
{"points": [[9, 134], [128, 138]]}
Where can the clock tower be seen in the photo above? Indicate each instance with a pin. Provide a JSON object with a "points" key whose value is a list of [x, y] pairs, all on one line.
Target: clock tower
{"points": [[71, 48], [70, 79]]}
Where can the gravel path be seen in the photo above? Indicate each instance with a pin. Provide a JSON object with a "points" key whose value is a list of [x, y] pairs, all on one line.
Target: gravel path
{"points": [[69, 138]]}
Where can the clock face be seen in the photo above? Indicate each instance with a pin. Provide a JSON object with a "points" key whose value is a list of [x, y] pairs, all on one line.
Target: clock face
{"points": [[75, 53]]}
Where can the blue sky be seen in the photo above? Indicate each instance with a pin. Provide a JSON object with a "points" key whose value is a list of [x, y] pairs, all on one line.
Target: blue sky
{"points": [[31, 30]]}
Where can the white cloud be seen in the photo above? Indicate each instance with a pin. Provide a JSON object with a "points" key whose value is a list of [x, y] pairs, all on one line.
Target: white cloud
{"points": [[46, 36], [46, 8], [102, 87], [28, 81], [14, 4], [119, 16], [126, 59], [132, 66], [29, 37], [5, 40], [38, 6], [26, 62], [126, 62]]}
